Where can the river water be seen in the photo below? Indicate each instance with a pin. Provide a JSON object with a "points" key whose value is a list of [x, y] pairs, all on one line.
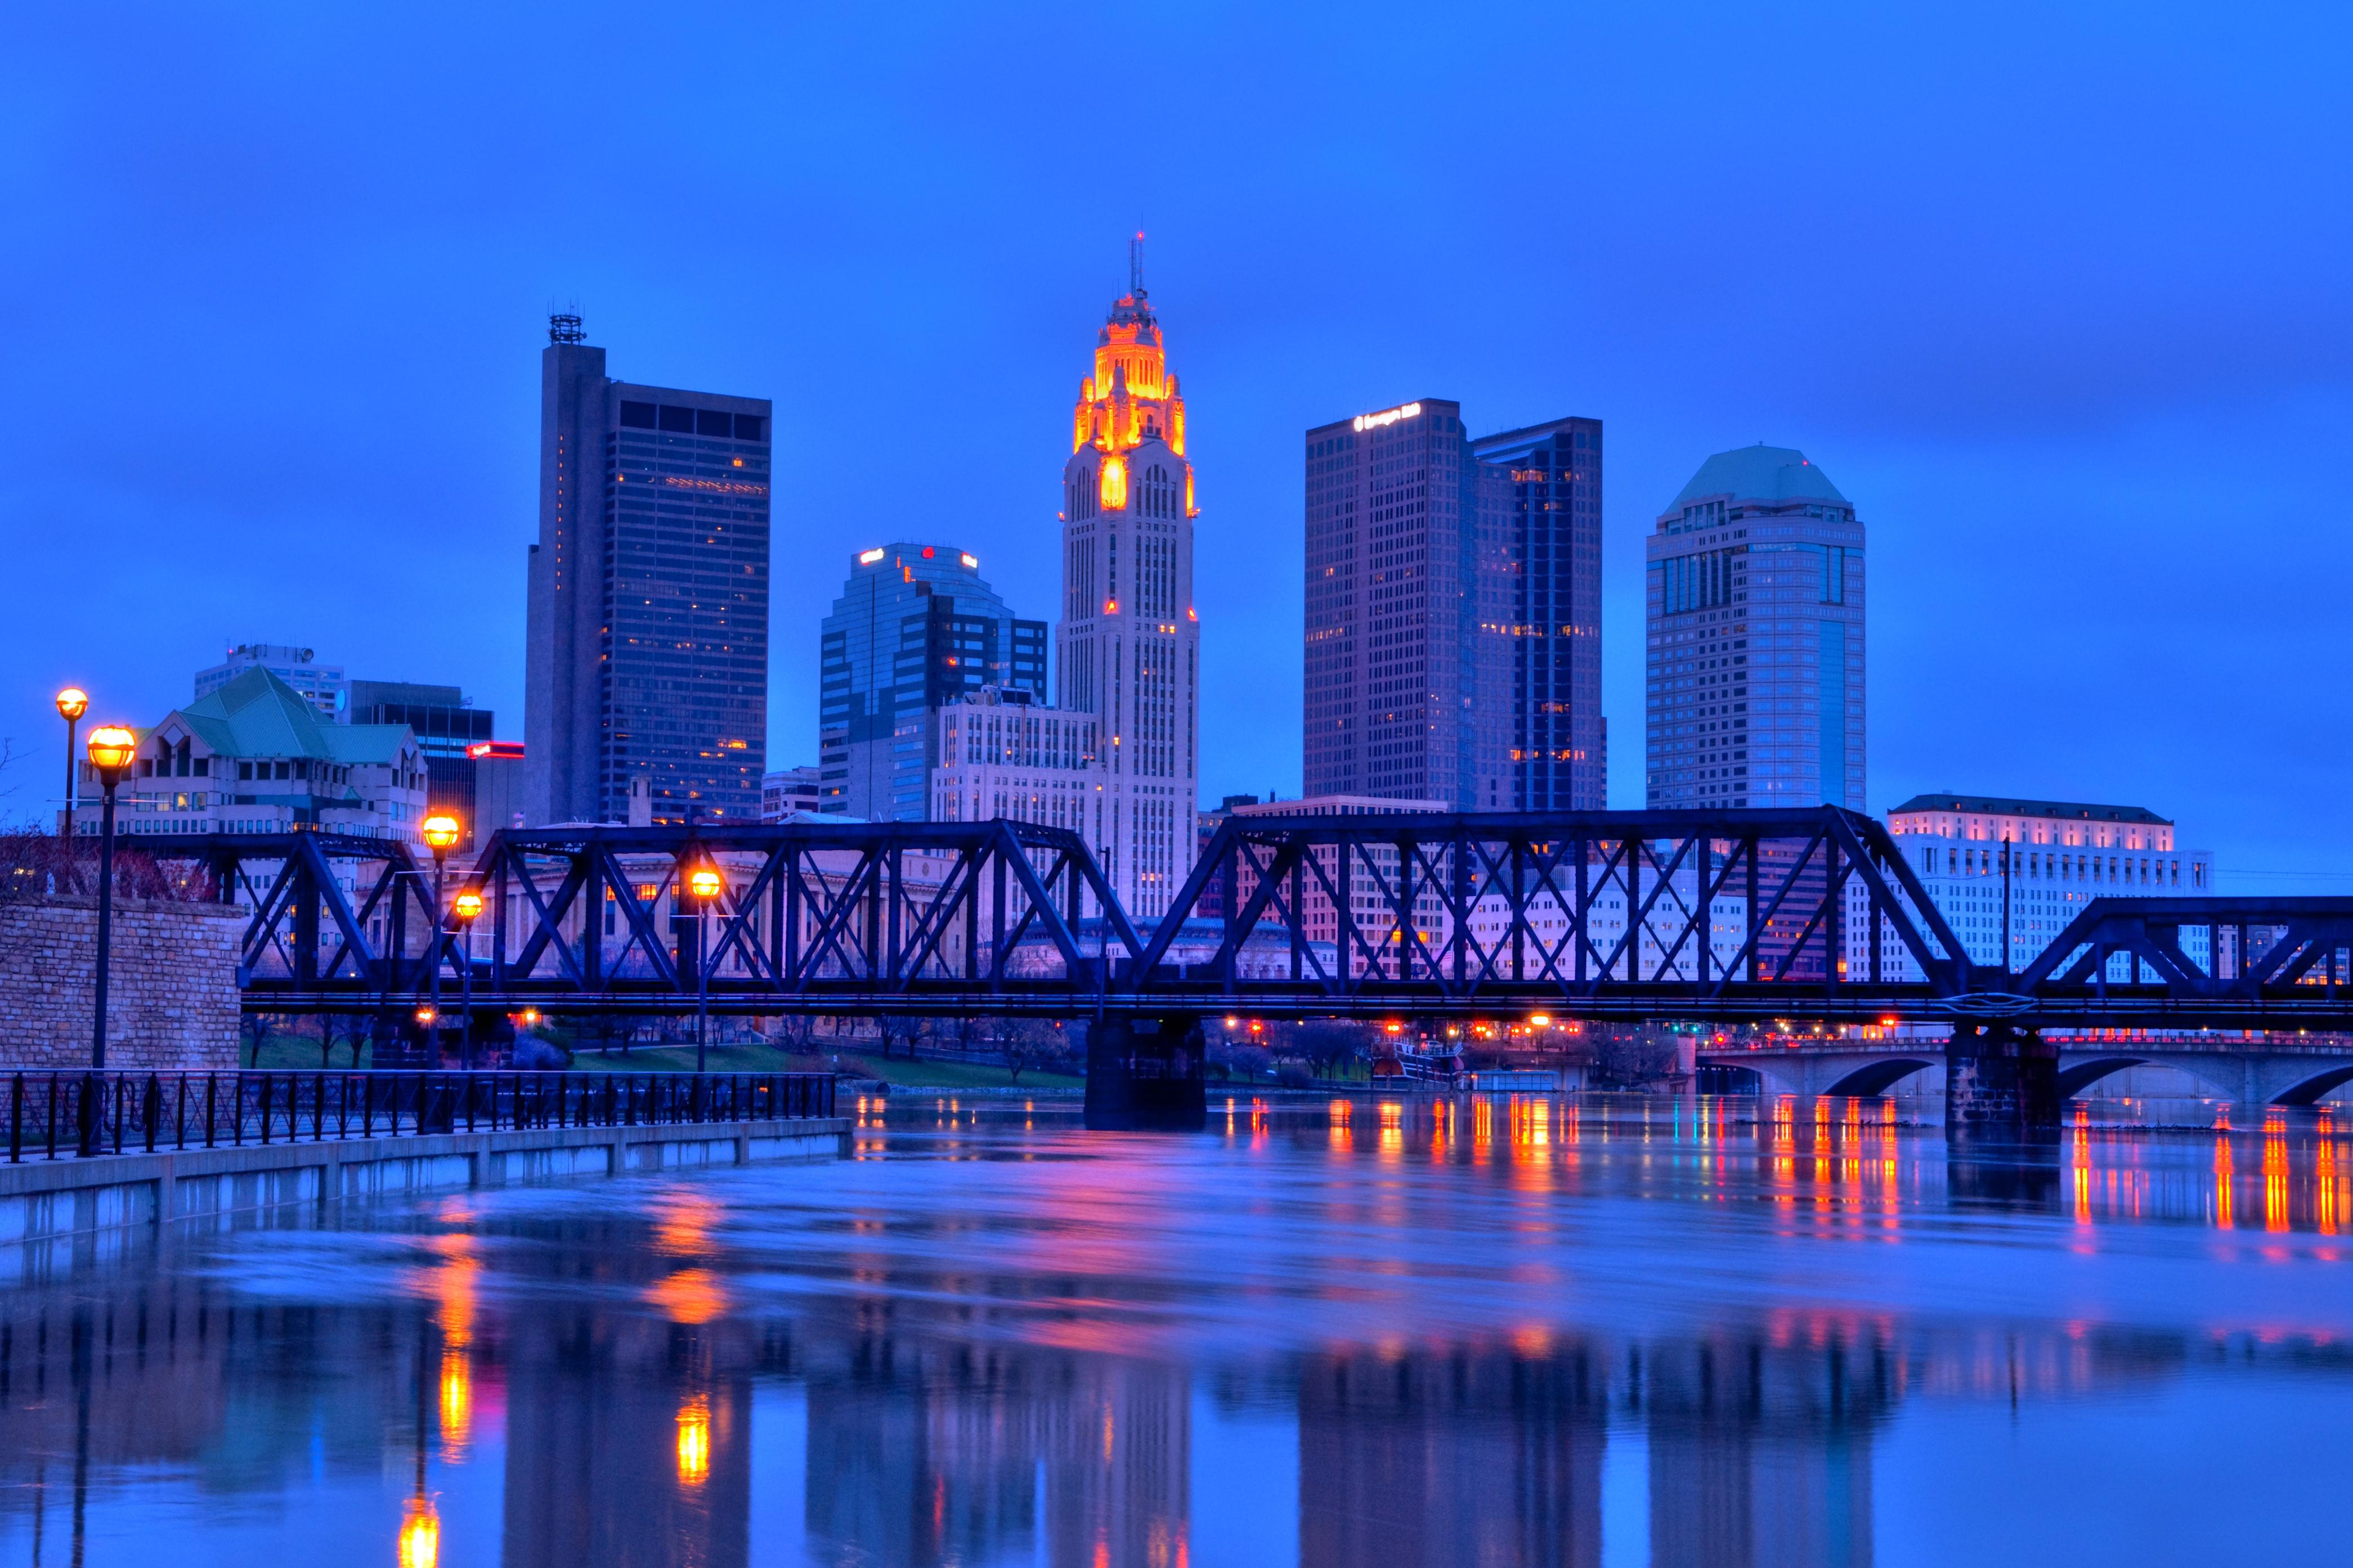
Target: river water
{"points": [[1483, 1333]]}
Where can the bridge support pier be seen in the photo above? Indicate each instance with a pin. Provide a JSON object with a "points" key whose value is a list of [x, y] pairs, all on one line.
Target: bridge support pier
{"points": [[2001, 1080], [1145, 1075]]}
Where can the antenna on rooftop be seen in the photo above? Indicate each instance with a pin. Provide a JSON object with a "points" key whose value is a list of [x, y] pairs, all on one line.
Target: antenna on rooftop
{"points": [[1135, 264], [563, 326]]}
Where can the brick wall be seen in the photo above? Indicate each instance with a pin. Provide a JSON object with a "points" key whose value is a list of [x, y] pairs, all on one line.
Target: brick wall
{"points": [[172, 1000]]}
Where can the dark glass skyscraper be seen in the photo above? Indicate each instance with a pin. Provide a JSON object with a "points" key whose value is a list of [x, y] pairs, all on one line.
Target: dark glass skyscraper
{"points": [[1547, 484], [915, 629], [648, 652]]}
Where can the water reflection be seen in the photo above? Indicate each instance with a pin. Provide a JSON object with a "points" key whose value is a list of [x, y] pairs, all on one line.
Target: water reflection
{"points": [[1506, 1332]]}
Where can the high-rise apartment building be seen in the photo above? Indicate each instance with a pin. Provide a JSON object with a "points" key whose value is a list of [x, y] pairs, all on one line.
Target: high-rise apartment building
{"points": [[648, 643], [1127, 644], [1454, 611], [1755, 634], [915, 629]]}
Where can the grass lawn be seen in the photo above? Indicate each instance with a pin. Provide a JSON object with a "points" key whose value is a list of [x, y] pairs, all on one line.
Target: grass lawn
{"points": [[300, 1053], [767, 1058]]}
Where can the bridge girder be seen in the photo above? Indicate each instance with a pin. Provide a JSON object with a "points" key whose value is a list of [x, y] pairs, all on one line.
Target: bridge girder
{"points": [[1732, 917]]}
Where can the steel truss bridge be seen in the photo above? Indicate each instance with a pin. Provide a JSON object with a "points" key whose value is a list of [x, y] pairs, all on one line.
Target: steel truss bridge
{"points": [[1728, 917]]}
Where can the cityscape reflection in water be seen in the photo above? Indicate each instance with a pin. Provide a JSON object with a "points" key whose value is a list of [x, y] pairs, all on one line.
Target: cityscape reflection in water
{"points": [[1381, 1332]]}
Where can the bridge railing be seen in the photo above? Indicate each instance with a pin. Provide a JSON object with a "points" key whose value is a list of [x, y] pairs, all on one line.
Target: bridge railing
{"points": [[151, 1112]]}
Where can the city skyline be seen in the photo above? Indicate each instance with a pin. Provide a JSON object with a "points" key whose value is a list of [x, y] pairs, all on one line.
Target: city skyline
{"points": [[2064, 362]]}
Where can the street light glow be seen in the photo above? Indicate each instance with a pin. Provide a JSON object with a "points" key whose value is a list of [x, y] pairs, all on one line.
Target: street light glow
{"points": [[467, 906], [111, 748], [72, 703], [704, 882], [439, 831]]}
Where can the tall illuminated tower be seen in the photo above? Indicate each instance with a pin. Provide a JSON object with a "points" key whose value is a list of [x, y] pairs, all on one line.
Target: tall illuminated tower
{"points": [[1127, 644]]}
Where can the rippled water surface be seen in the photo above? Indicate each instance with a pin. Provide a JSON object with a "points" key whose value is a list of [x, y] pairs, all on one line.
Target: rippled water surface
{"points": [[1480, 1333]]}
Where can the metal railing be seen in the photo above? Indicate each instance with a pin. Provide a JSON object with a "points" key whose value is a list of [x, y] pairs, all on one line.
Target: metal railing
{"points": [[147, 1112]]}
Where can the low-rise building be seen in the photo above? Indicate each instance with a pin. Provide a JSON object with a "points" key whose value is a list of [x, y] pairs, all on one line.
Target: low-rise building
{"points": [[2060, 856], [254, 756], [1370, 884], [789, 791]]}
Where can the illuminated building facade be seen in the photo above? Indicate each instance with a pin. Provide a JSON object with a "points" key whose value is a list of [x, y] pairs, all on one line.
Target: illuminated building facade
{"points": [[646, 651], [1127, 644], [1755, 669], [1003, 753], [1453, 612], [2062, 854], [915, 628]]}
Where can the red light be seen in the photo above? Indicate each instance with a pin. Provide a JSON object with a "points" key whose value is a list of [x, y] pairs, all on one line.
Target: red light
{"points": [[927, 553]]}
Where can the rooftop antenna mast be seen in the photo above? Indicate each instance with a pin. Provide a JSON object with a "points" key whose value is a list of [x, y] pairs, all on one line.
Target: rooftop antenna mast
{"points": [[1135, 265]]}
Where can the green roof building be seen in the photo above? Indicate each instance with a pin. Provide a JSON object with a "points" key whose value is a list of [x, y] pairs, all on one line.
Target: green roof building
{"points": [[254, 756]]}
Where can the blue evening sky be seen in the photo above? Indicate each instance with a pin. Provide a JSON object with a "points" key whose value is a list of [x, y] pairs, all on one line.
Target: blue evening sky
{"points": [[2056, 294]]}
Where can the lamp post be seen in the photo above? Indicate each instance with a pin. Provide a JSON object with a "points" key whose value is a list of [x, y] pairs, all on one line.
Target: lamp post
{"points": [[72, 703], [111, 749], [705, 883], [466, 909], [439, 832]]}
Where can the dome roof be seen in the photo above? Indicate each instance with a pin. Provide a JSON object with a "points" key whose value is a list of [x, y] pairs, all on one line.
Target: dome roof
{"points": [[1776, 475]]}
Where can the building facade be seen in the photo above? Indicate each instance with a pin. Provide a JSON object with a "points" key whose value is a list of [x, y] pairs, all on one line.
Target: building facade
{"points": [[1003, 753], [1544, 489], [1127, 644], [1754, 638], [915, 628], [256, 757], [1453, 612], [2060, 856], [788, 792], [647, 655], [322, 686], [447, 728], [1368, 885]]}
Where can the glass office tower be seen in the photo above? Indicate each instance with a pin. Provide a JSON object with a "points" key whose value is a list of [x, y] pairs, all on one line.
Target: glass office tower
{"points": [[915, 628], [648, 650], [1548, 478]]}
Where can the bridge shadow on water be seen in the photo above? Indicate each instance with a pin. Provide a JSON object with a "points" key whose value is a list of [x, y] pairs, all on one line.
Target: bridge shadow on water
{"points": [[1512, 1330]]}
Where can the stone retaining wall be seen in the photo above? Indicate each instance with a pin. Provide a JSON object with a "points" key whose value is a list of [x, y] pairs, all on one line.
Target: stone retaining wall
{"points": [[172, 996]]}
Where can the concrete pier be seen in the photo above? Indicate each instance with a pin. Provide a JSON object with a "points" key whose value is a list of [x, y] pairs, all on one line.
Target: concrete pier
{"points": [[2000, 1079], [47, 1199], [1145, 1075]]}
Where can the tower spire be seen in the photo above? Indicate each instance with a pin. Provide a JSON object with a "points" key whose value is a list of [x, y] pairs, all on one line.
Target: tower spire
{"points": [[1135, 264]]}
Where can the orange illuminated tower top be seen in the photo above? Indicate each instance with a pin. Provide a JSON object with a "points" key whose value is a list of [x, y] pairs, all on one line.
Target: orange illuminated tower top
{"points": [[1131, 398]]}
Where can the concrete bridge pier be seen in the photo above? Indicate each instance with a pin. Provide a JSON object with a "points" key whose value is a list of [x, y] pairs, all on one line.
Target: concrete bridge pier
{"points": [[1145, 1075], [2001, 1080]]}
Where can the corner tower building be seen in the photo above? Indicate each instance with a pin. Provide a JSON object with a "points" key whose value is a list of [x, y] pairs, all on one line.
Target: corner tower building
{"points": [[646, 651], [1755, 657], [1127, 643]]}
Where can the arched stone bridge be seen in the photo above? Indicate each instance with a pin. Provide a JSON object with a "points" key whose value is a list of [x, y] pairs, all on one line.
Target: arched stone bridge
{"points": [[2248, 1074]]}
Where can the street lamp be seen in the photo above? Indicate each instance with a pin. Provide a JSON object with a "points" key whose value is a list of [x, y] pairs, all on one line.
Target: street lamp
{"points": [[439, 832], [705, 883], [72, 703], [112, 751], [466, 909]]}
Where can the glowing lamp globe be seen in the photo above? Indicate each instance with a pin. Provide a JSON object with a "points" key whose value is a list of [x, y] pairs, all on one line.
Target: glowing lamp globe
{"points": [[72, 703], [113, 748], [467, 906], [704, 882], [440, 832]]}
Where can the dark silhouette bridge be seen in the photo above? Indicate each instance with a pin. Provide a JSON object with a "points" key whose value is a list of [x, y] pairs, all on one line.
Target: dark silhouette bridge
{"points": [[1735, 917]]}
